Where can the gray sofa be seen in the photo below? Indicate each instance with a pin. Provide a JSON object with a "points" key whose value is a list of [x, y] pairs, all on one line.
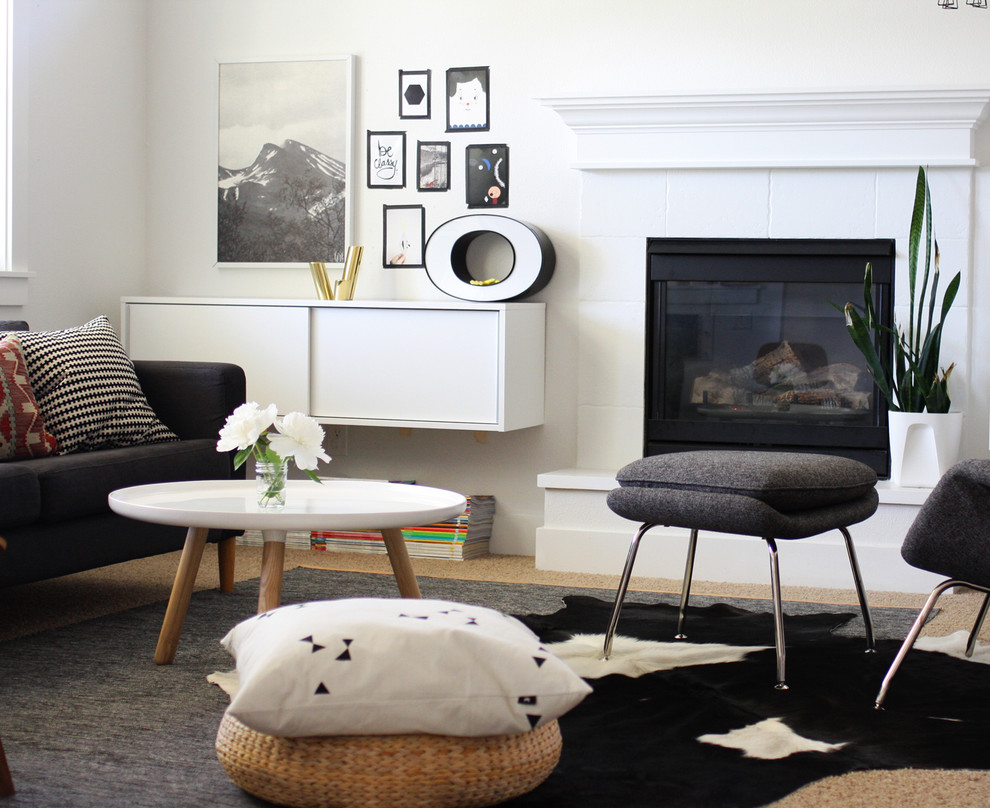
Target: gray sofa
{"points": [[53, 510]]}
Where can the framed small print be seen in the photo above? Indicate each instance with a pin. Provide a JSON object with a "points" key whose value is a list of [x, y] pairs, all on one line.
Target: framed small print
{"points": [[404, 235], [433, 165], [488, 176], [414, 93], [467, 99], [386, 159]]}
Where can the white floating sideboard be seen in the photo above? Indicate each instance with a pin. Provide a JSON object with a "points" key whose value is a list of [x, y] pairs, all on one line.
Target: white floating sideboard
{"points": [[441, 365]]}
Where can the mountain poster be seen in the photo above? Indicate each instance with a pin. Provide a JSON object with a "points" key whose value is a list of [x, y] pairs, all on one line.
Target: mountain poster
{"points": [[283, 148]]}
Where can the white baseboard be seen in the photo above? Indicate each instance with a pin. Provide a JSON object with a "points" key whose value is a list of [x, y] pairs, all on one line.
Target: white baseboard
{"points": [[580, 534], [818, 561]]}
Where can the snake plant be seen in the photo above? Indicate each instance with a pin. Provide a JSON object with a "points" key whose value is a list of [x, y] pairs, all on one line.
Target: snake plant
{"points": [[912, 379]]}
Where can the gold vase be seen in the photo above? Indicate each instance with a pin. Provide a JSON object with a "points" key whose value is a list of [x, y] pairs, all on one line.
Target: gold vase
{"points": [[344, 288], [320, 280]]}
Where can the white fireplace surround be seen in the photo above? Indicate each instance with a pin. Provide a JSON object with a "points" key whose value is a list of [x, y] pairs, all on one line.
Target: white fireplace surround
{"points": [[751, 165], [779, 130]]}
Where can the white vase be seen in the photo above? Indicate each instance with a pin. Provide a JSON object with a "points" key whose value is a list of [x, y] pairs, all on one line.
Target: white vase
{"points": [[923, 446]]}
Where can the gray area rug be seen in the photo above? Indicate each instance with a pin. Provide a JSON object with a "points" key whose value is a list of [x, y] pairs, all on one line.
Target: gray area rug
{"points": [[89, 721]]}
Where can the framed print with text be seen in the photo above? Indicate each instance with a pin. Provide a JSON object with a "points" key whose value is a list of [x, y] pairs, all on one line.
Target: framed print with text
{"points": [[386, 159], [289, 124], [404, 235]]}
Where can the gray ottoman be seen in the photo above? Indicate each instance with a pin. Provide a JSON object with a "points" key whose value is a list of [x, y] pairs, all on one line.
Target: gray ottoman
{"points": [[771, 495]]}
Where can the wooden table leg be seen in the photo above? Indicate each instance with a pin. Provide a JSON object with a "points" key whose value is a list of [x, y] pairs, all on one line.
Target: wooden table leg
{"points": [[398, 556], [272, 563], [226, 557], [178, 602]]}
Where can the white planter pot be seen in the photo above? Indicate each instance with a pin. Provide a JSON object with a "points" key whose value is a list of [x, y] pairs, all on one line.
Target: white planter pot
{"points": [[923, 446]]}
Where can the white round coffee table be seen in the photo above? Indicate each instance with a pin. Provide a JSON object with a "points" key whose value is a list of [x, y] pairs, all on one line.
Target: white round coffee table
{"points": [[232, 505]]}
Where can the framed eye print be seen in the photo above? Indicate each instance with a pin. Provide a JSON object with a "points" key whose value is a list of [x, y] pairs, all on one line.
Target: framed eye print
{"points": [[284, 161], [467, 99], [488, 176], [414, 93], [432, 165], [386, 159], [404, 235]]}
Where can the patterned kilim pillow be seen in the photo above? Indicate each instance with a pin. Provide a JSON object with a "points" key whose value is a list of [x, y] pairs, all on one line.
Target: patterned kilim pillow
{"points": [[87, 390], [22, 430]]}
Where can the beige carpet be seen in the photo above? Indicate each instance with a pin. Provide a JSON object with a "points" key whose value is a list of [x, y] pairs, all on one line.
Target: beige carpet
{"points": [[48, 604]]}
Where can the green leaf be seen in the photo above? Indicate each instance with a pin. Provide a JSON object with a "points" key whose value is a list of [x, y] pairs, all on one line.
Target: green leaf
{"points": [[871, 315], [241, 457], [928, 257], [863, 339], [914, 242], [950, 294], [938, 399]]}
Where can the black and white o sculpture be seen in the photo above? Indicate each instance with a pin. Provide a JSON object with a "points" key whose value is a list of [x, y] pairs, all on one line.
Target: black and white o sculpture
{"points": [[453, 266]]}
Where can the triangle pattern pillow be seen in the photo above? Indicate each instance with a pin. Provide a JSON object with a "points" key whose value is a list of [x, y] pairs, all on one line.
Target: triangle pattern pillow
{"points": [[392, 666], [22, 430], [87, 390]]}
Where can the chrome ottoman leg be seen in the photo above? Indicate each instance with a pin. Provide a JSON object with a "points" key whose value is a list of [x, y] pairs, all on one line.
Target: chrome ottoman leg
{"points": [[623, 586], [686, 586], [778, 615]]}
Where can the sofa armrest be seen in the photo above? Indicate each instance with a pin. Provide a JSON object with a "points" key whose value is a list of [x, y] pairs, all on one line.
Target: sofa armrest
{"points": [[192, 398]]}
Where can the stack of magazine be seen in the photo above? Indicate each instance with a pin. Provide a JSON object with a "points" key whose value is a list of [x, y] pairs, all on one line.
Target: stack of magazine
{"points": [[462, 537]]}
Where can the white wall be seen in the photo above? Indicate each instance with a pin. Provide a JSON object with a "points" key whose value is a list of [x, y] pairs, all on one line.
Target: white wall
{"points": [[122, 157], [384, 37], [80, 156]]}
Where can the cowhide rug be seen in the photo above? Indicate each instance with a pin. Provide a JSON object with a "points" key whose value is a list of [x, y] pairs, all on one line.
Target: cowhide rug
{"points": [[698, 722]]}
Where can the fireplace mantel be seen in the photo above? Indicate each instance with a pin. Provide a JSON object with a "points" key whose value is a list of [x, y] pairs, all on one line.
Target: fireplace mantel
{"points": [[779, 130]]}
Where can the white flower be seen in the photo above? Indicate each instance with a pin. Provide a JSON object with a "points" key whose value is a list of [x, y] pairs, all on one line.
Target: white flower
{"points": [[257, 432], [245, 425], [301, 438]]}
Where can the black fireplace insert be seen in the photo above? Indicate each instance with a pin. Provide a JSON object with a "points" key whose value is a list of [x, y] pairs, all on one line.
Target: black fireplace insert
{"points": [[746, 348]]}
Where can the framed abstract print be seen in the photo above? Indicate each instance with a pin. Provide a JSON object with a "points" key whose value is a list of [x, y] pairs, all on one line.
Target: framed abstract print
{"points": [[487, 168]]}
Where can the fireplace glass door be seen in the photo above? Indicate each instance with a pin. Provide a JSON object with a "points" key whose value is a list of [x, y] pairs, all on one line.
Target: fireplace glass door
{"points": [[750, 349]]}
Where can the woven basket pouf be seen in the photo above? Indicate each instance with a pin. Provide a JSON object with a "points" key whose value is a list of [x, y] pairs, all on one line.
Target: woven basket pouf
{"points": [[387, 771]]}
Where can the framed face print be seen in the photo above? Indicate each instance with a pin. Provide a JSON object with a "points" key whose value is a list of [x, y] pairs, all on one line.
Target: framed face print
{"points": [[467, 99]]}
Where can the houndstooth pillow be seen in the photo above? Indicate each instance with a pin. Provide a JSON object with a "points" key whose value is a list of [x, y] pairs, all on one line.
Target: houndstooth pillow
{"points": [[87, 390]]}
